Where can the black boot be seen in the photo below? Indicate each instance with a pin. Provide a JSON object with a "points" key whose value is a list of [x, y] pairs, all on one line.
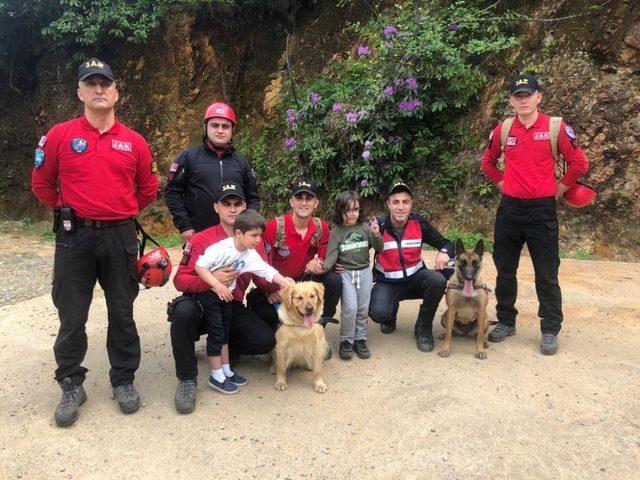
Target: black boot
{"points": [[423, 332]]}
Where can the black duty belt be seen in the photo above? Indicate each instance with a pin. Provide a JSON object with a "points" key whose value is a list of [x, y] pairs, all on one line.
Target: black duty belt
{"points": [[99, 224]]}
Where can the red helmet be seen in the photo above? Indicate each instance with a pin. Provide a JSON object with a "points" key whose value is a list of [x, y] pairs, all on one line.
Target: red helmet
{"points": [[154, 268], [580, 195], [220, 110]]}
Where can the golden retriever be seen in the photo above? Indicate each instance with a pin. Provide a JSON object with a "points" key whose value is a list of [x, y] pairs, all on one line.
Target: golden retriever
{"points": [[300, 339]]}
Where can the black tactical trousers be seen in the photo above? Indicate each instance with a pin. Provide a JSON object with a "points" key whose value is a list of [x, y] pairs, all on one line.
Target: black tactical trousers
{"points": [[108, 255], [248, 334], [535, 223], [425, 284]]}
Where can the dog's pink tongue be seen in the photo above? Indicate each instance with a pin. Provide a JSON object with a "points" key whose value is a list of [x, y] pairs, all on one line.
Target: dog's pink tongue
{"points": [[309, 321], [468, 288]]}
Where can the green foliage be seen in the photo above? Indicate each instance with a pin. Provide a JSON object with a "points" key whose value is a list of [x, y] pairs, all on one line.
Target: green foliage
{"points": [[388, 110], [468, 239], [166, 241], [91, 22]]}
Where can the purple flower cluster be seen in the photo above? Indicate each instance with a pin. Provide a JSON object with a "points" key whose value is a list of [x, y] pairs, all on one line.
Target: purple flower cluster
{"points": [[393, 139], [292, 116], [388, 91], [397, 82], [314, 98], [337, 107], [364, 182], [412, 83], [290, 142], [366, 154], [368, 143], [453, 27], [351, 117], [388, 44], [390, 31], [364, 51], [409, 105], [355, 116]]}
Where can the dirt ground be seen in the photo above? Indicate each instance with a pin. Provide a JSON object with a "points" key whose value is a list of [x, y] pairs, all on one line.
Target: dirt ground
{"points": [[401, 414]]}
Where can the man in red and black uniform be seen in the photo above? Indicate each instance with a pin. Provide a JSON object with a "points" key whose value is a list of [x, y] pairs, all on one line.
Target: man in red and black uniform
{"points": [[248, 335], [400, 273], [527, 211], [297, 250], [197, 172], [97, 174]]}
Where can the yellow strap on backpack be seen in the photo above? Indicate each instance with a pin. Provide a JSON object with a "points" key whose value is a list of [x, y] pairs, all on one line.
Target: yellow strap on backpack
{"points": [[554, 133]]}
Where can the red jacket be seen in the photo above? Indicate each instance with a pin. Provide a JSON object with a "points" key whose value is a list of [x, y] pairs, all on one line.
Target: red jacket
{"points": [[529, 170], [400, 257], [186, 278], [291, 258], [108, 176]]}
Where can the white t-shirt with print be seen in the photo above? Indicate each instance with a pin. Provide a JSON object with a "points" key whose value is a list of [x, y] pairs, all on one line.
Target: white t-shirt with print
{"points": [[224, 254]]}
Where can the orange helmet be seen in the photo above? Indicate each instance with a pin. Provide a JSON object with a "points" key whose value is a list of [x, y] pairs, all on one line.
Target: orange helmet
{"points": [[154, 268], [580, 195], [220, 110]]}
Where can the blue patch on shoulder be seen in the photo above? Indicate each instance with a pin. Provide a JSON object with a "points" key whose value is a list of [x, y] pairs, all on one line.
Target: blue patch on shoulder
{"points": [[38, 159]]}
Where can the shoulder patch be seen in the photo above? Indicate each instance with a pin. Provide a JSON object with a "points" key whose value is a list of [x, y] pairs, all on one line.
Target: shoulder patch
{"points": [[569, 131], [512, 141], [43, 141], [38, 159], [572, 136], [490, 139], [174, 167]]}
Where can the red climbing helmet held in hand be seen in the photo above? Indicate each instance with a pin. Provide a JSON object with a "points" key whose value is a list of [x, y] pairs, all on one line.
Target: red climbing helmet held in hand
{"points": [[580, 195], [154, 268], [220, 110]]}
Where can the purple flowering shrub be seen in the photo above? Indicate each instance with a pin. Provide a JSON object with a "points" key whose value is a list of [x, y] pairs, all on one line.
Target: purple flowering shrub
{"points": [[389, 107]]}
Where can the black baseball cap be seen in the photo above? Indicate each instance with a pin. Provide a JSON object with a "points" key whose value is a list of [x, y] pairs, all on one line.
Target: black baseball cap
{"points": [[228, 189], [93, 66], [304, 186], [525, 82], [399, 187]]}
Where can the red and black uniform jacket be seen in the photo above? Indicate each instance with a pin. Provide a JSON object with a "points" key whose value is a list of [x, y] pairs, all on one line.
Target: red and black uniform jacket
{"points": [[194, 179], [400, 257], [187, 280]]}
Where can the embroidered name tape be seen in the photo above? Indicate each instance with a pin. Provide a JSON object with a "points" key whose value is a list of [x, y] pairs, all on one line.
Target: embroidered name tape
{"points": [[541, 136], [122, 146]]}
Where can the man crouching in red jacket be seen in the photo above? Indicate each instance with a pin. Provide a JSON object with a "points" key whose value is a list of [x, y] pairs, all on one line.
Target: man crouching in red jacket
{"points": [[249, 334]]}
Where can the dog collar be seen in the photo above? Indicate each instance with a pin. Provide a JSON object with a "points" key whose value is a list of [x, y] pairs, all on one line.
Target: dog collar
{"points": [[455, 286]]}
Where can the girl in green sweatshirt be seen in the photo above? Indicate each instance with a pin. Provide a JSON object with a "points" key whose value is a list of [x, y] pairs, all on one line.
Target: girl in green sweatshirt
{"points": [[349, 245]]}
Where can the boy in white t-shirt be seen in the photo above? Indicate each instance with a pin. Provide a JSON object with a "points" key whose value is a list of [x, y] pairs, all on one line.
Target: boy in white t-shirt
{"points": [[239, 253]]}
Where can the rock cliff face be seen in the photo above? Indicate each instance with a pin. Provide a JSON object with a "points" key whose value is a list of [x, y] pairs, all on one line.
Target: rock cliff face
{"points": [[589, 62], [589, 66]]}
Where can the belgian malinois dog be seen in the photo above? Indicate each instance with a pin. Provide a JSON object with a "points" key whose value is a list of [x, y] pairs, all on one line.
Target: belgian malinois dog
{"points": [[467, 298]]}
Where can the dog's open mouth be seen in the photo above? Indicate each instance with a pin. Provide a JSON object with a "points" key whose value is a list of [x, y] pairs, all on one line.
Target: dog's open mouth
{"points": [[467, 289], [309, 320]]}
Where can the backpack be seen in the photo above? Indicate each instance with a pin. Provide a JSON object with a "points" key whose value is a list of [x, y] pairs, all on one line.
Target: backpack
{"points": [[280, 235], [554, 134]]}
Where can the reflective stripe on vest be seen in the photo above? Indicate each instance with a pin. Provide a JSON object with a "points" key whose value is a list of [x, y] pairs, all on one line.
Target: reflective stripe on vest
{"points": [[389, 263], [399, 274]]}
